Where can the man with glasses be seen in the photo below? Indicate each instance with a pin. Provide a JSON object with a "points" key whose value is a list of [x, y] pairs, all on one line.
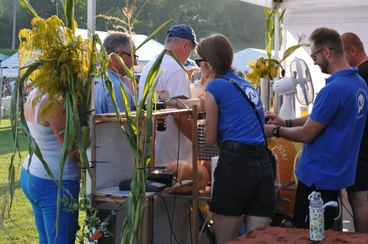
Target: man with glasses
{"points": [[120, 44], [174, 143], [358, 193], [332, 133]]}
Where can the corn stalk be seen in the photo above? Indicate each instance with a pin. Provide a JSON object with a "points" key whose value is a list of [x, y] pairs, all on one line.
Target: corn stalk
{"points": [[138, 128], [268, 67]]}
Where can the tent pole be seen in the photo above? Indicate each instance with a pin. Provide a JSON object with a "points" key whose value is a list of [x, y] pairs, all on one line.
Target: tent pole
{"points": [[276, 42], [1, 91], [91, 27], [277, 100], [14, 23]]}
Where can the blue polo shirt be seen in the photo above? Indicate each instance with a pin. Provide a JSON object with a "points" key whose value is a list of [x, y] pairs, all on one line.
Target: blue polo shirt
{"points": [[330, 160], [237, 121], [103, 100]]}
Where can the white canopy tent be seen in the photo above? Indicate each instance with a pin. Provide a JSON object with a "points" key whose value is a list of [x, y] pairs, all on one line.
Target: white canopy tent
{"points": [[242, 58], [9, 67], [302, 17], [146, 53]]}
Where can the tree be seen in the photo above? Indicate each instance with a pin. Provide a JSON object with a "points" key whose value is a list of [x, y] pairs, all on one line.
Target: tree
{"points": [[243, 23]]}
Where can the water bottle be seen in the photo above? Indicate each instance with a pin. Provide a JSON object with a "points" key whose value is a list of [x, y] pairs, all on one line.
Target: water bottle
{"points": [[316, 217]]}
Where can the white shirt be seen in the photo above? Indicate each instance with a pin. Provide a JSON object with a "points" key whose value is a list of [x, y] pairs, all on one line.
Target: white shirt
{"points": [[173, 80]]}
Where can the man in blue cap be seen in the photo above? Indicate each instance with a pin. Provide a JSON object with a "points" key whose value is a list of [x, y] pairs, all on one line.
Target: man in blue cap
{"points": [[173, 82]]}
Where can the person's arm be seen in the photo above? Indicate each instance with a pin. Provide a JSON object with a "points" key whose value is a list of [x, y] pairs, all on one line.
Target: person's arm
{"points": [[305, 134], [276, 120], [56, 119], [298, 121], [211, 119]]}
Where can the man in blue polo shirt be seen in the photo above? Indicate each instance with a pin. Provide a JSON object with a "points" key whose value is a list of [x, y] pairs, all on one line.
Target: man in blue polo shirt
{"points": [[120, 44], [332, 133]]}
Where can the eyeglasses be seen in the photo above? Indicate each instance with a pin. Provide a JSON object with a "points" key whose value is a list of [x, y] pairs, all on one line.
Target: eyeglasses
{"points": [[199, 61], [129, 54], [313, 55]]}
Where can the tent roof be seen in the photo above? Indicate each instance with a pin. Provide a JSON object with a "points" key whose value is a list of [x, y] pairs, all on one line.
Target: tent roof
{"points": [[3, 57], [11, 62], [10, 66], [243, 57], [146, 53]]}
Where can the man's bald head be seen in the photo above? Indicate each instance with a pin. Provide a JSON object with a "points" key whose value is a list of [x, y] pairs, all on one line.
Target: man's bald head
{"points": [[352, 40], [353, 49]]}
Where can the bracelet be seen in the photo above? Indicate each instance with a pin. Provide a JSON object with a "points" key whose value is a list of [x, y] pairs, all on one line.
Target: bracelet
{"points": [[288, 123]]}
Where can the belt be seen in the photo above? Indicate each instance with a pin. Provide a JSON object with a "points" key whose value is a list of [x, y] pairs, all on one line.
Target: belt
{"points": [[238, 146]]}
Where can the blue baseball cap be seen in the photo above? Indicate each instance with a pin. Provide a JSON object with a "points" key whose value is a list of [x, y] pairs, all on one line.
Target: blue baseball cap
{"points": [[182, 31]]}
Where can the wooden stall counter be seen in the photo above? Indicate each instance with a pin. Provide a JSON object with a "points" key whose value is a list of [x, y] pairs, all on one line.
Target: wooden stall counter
{"points": [[299, 236]]}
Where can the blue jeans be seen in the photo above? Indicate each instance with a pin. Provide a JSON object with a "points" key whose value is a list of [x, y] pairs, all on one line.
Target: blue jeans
{"points": [[42, 194]]}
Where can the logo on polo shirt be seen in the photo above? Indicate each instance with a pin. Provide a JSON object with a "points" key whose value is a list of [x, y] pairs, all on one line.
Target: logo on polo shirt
{"points": [[252, 94], [361, 103]]}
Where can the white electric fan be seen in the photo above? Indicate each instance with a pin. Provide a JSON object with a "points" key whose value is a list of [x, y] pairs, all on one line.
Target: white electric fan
{"points": [[299, 84]]}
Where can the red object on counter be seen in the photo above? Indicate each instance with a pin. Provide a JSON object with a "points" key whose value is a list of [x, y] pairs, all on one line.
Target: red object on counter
{"points": [[296, 235]]}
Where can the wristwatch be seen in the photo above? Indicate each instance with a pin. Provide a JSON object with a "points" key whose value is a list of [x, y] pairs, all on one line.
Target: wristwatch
{"points": [[276, 131]]}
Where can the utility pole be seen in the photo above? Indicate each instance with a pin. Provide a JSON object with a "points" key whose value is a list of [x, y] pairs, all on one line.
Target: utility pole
{"points": [[14, 22]]}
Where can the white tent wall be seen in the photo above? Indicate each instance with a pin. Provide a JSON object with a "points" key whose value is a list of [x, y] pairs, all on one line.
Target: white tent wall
{"points": [[300, 19], [8, 69], [304, 16]]}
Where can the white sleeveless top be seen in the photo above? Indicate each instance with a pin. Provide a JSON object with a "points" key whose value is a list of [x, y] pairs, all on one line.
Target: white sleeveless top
{"points": [[50, 148]]}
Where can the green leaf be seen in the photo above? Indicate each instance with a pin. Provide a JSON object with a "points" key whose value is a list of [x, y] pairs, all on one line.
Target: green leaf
{"points": [[290, 51], [154, 33], [150, 79], [127, 71], [69, 13], [177, 60], [27, 6]]}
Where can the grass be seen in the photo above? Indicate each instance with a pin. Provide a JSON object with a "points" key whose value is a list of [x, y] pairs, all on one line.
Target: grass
{"points": [[19, 226]]}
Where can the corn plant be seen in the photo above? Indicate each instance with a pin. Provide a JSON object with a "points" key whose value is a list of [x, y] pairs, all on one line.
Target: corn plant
{"points": [[137, 127], [268, 67]]}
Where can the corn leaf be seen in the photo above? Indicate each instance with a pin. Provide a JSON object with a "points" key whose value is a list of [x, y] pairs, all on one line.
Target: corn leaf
{"points": [[289, 51], [153, 34], [177, 60], [127, 71], [69, 13], [150, 79], [27, 6], [66, 148]]}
